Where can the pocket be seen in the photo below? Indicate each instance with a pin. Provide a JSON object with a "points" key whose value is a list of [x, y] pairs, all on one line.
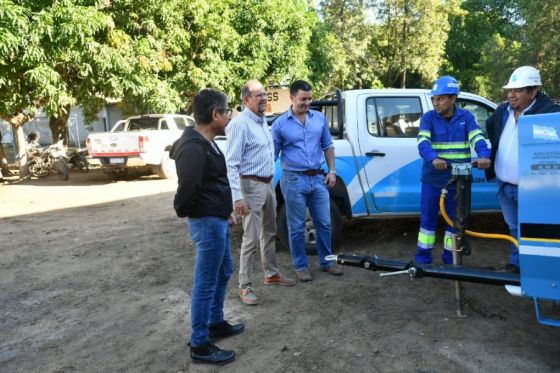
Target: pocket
{"points": [[196, 229], [248, 186], [291, 178]]}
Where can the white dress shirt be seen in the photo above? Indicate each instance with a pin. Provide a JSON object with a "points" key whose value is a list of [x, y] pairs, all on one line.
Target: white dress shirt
{"points": [[507, 156], [249, 149]]}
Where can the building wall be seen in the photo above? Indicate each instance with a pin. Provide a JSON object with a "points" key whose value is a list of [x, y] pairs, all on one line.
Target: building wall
{"points": [[78, 129]]}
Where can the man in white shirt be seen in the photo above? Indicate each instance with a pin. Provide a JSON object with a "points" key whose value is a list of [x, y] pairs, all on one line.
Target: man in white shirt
{"points": [[250, 163], [524, 98]]}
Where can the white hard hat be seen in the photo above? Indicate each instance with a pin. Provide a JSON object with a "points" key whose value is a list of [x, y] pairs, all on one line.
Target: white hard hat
{"points": [[524, 76]]}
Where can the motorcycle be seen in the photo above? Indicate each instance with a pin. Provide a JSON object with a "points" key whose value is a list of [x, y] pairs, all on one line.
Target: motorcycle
{"points": [[77, 158], [51, 159]]}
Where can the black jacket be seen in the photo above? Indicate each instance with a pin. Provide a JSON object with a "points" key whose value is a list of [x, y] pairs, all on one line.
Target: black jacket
{"points": [[203, 187], [496, 122]]}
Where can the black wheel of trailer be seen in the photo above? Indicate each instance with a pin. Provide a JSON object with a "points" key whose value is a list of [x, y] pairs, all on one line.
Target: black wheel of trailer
{"points": [[310, 234]]}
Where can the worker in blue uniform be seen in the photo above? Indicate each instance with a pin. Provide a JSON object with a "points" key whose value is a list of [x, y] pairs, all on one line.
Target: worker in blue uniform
{"points": [[446, 135]]}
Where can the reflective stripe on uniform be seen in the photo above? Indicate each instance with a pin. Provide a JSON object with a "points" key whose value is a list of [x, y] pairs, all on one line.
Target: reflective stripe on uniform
{"points": [[426, 238], [454, 155], [448, 240], [450, 145], [474, 133]]}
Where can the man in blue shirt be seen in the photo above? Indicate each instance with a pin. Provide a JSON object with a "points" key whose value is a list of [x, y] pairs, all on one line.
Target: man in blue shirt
{"points": [[303, 141], [446, 135]]}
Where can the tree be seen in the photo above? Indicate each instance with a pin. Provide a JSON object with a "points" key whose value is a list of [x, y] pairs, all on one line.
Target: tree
{"points": [[410, 37], [345, 28], [498, 58], [478, 29], [27, 80], [541, 45]]}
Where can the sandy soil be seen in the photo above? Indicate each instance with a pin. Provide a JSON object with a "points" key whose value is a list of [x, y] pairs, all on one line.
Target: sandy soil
{"points": [[95, 276]]}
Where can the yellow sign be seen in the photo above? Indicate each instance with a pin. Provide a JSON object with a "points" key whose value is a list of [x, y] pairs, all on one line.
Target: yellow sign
{"points": [[278, 100]]}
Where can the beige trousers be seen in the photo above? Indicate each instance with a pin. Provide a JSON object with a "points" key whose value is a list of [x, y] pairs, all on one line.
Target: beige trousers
{"points": [[259, 229]]}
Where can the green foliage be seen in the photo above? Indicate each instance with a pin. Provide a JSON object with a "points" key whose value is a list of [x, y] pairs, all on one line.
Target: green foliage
{"points": [[542, 41], [347, 59], [474, 33], [498, 56], [410, 37]]}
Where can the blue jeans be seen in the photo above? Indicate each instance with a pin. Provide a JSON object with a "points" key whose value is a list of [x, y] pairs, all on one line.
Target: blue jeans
{"points": [[212, 269], [300, 192], [507, 195]]}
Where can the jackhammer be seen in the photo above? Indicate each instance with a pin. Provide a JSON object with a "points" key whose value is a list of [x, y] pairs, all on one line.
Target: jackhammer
{"points": [[539, 225], [461, 178]]}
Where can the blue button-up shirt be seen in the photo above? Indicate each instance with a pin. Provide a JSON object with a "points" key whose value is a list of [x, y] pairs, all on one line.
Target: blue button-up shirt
{"points": [[301, 146]]}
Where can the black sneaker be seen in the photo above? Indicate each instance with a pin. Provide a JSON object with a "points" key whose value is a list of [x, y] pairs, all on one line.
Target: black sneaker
{"points": [[224, 329], [211, 354]]}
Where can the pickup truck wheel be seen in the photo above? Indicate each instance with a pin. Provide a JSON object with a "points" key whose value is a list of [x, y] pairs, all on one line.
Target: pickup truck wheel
{"points": [[167, 168], [310, 235]]}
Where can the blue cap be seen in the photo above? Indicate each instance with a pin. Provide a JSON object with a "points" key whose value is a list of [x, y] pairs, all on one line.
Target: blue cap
{"points": [[445, 85]]}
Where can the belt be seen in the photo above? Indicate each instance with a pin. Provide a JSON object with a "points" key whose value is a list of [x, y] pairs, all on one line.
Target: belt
{"points": [[260, 179], [318, 171]]}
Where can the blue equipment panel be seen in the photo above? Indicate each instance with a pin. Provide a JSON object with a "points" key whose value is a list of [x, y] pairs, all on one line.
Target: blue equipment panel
{"points": [[539, 207]]}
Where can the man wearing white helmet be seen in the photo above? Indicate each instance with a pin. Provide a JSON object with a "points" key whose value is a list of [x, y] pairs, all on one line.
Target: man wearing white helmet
{"points": [[524, 98], [446, 135]]}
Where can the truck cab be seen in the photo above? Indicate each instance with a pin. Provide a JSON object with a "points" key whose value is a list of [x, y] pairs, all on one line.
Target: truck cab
{"points": [[139, 141], [377, 161]]}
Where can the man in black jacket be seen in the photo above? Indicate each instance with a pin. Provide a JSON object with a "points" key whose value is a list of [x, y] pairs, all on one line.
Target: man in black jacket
{"points": [[204, 198], [524, 98]]}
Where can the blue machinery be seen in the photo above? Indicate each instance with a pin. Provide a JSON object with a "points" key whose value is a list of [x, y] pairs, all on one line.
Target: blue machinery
{"points": [[539, 225]]}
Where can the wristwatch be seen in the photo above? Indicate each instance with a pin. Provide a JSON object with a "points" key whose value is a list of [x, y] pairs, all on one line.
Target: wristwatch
{"points": [[332, 172]]}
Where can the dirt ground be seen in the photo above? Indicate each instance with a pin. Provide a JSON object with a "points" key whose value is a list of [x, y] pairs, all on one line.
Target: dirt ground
{"points": [[95, 276]]}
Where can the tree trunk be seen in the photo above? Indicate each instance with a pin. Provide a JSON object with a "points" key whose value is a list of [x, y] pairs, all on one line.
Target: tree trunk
{"points": [[21, 151], [58, 125], [17, 121]]}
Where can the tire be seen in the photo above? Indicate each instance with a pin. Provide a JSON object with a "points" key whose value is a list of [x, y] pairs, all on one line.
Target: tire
{"points": [[82, 163], [37, 169], [167, 170], [62, 169], [310, 242]]}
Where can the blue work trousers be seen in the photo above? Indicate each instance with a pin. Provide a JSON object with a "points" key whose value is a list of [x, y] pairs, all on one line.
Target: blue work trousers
{"points": [[430, 196]]}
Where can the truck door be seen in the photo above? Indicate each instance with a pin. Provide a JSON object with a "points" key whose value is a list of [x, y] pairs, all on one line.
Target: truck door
{"points": [[387, 141], [483, 192]]}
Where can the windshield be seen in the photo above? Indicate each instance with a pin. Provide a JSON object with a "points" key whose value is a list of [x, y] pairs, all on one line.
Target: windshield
{"points": [[139, 124]]}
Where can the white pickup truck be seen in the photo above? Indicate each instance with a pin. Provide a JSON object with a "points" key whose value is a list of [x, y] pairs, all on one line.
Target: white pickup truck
{"points": [[140, 141], [377, 162]]}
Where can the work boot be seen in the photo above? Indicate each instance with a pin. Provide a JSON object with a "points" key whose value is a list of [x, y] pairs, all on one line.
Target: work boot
{"points": [[279, 279], [224, 329], [423, 257], [304, 275], [248, 296], [447, 257], [332, 270], [211, 354]]}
